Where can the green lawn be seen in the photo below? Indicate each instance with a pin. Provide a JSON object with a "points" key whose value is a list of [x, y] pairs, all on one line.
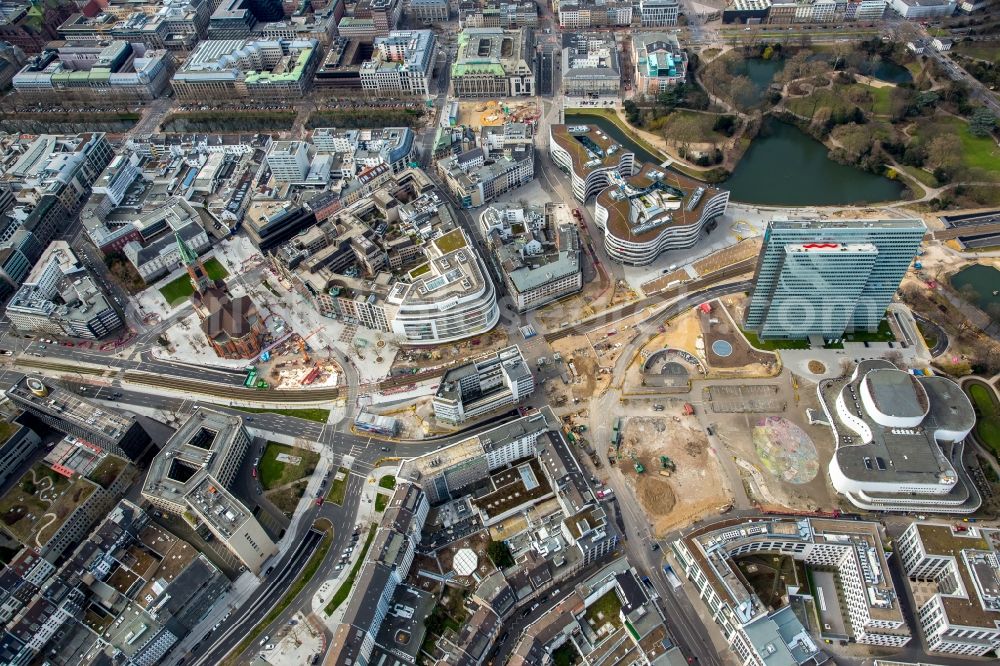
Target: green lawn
{"points": [[836, 98], [180, 288], [308, 571], [451, 241], [688, 126], [881, 96], [989, 51], [6, 430], [773, 345], [925, 177], [275, 473], [882, 334], [604, 611], [977, 152], [381, 501], [388, 482], [309, 414], [338, 489], [927, 335], [988, 417], [344, 591], [287, 498]]}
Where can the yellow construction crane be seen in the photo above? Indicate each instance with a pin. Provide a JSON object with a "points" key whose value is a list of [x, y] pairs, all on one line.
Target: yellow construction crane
{"points": [[302, 343]]}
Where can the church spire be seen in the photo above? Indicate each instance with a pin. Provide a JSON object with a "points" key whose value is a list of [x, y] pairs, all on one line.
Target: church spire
{"points": [[188, 256]]}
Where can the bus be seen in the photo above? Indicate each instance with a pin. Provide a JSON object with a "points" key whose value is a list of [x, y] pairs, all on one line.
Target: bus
{"points": [[251, 379]]}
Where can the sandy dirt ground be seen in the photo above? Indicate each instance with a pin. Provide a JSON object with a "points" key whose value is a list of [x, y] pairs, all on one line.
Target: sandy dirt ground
{"points": [[427, 358], [736, 431], [744, 360], [483, 114], [415, 417], [295, 643], [696, 478]]}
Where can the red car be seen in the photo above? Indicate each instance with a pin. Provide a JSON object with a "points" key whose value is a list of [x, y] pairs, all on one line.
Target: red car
{"points": [[253, 472], [319, 501]]}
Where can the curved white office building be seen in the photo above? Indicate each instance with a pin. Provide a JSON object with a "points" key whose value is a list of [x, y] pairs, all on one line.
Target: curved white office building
{"points": [[589, 157], [654, 211], [899, 440], [451, 299]]}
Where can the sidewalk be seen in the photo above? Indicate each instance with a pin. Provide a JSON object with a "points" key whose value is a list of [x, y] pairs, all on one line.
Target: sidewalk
{"points": [[366, 515]]}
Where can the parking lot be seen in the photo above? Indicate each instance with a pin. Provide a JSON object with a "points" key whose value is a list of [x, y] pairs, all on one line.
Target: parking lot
{"points": [[743, 398]]}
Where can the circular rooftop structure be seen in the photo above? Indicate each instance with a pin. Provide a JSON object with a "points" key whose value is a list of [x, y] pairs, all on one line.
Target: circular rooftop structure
{"points": [[36, 386], [465, 562], [894, 398]]}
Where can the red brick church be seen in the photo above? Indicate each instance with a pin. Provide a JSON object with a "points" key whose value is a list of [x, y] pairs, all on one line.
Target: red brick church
{"points": [[234, 327]]}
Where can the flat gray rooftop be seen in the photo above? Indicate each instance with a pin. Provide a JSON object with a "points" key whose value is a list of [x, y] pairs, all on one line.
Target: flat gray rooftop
{"points": [[897, 393]]}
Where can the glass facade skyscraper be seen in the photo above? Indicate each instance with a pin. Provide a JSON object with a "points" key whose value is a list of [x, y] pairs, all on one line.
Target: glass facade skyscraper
{"points": [[825, 277]]}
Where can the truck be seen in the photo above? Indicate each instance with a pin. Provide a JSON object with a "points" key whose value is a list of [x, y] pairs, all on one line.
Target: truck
{"points": [[605, 493], [672, 578]]}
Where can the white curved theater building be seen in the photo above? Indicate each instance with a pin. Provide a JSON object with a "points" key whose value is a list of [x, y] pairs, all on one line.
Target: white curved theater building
{"points": [[900, 439], [654, 211], [589, 157]]}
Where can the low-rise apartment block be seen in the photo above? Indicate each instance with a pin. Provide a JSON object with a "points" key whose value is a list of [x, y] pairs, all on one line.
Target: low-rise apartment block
{"points": [[482, 386], [176, 25], [506, 14], [386, 565], [845, 560], [583, 14], [537, 250], [49, 178], [814, 11], [590, 65], [658, 13], [129, 586], [634, 629], [67, 412], [403, 63], [527, 462], [348, 264], [369, 19], [192, 476], [59, 297], [361, 149], [267, 69], [954, 571], [84, 483], [120, 70], [504, 160], [659, 62], [140, 206], [474, 181], [493, 62], [430, 11]]}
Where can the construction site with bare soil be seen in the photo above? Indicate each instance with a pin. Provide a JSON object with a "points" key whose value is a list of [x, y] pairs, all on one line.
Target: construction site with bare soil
{"points": [[667, 462]]}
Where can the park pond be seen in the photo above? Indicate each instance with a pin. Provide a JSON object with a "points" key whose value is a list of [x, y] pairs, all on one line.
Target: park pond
{"points": [[980, 284], [784, 166]]}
